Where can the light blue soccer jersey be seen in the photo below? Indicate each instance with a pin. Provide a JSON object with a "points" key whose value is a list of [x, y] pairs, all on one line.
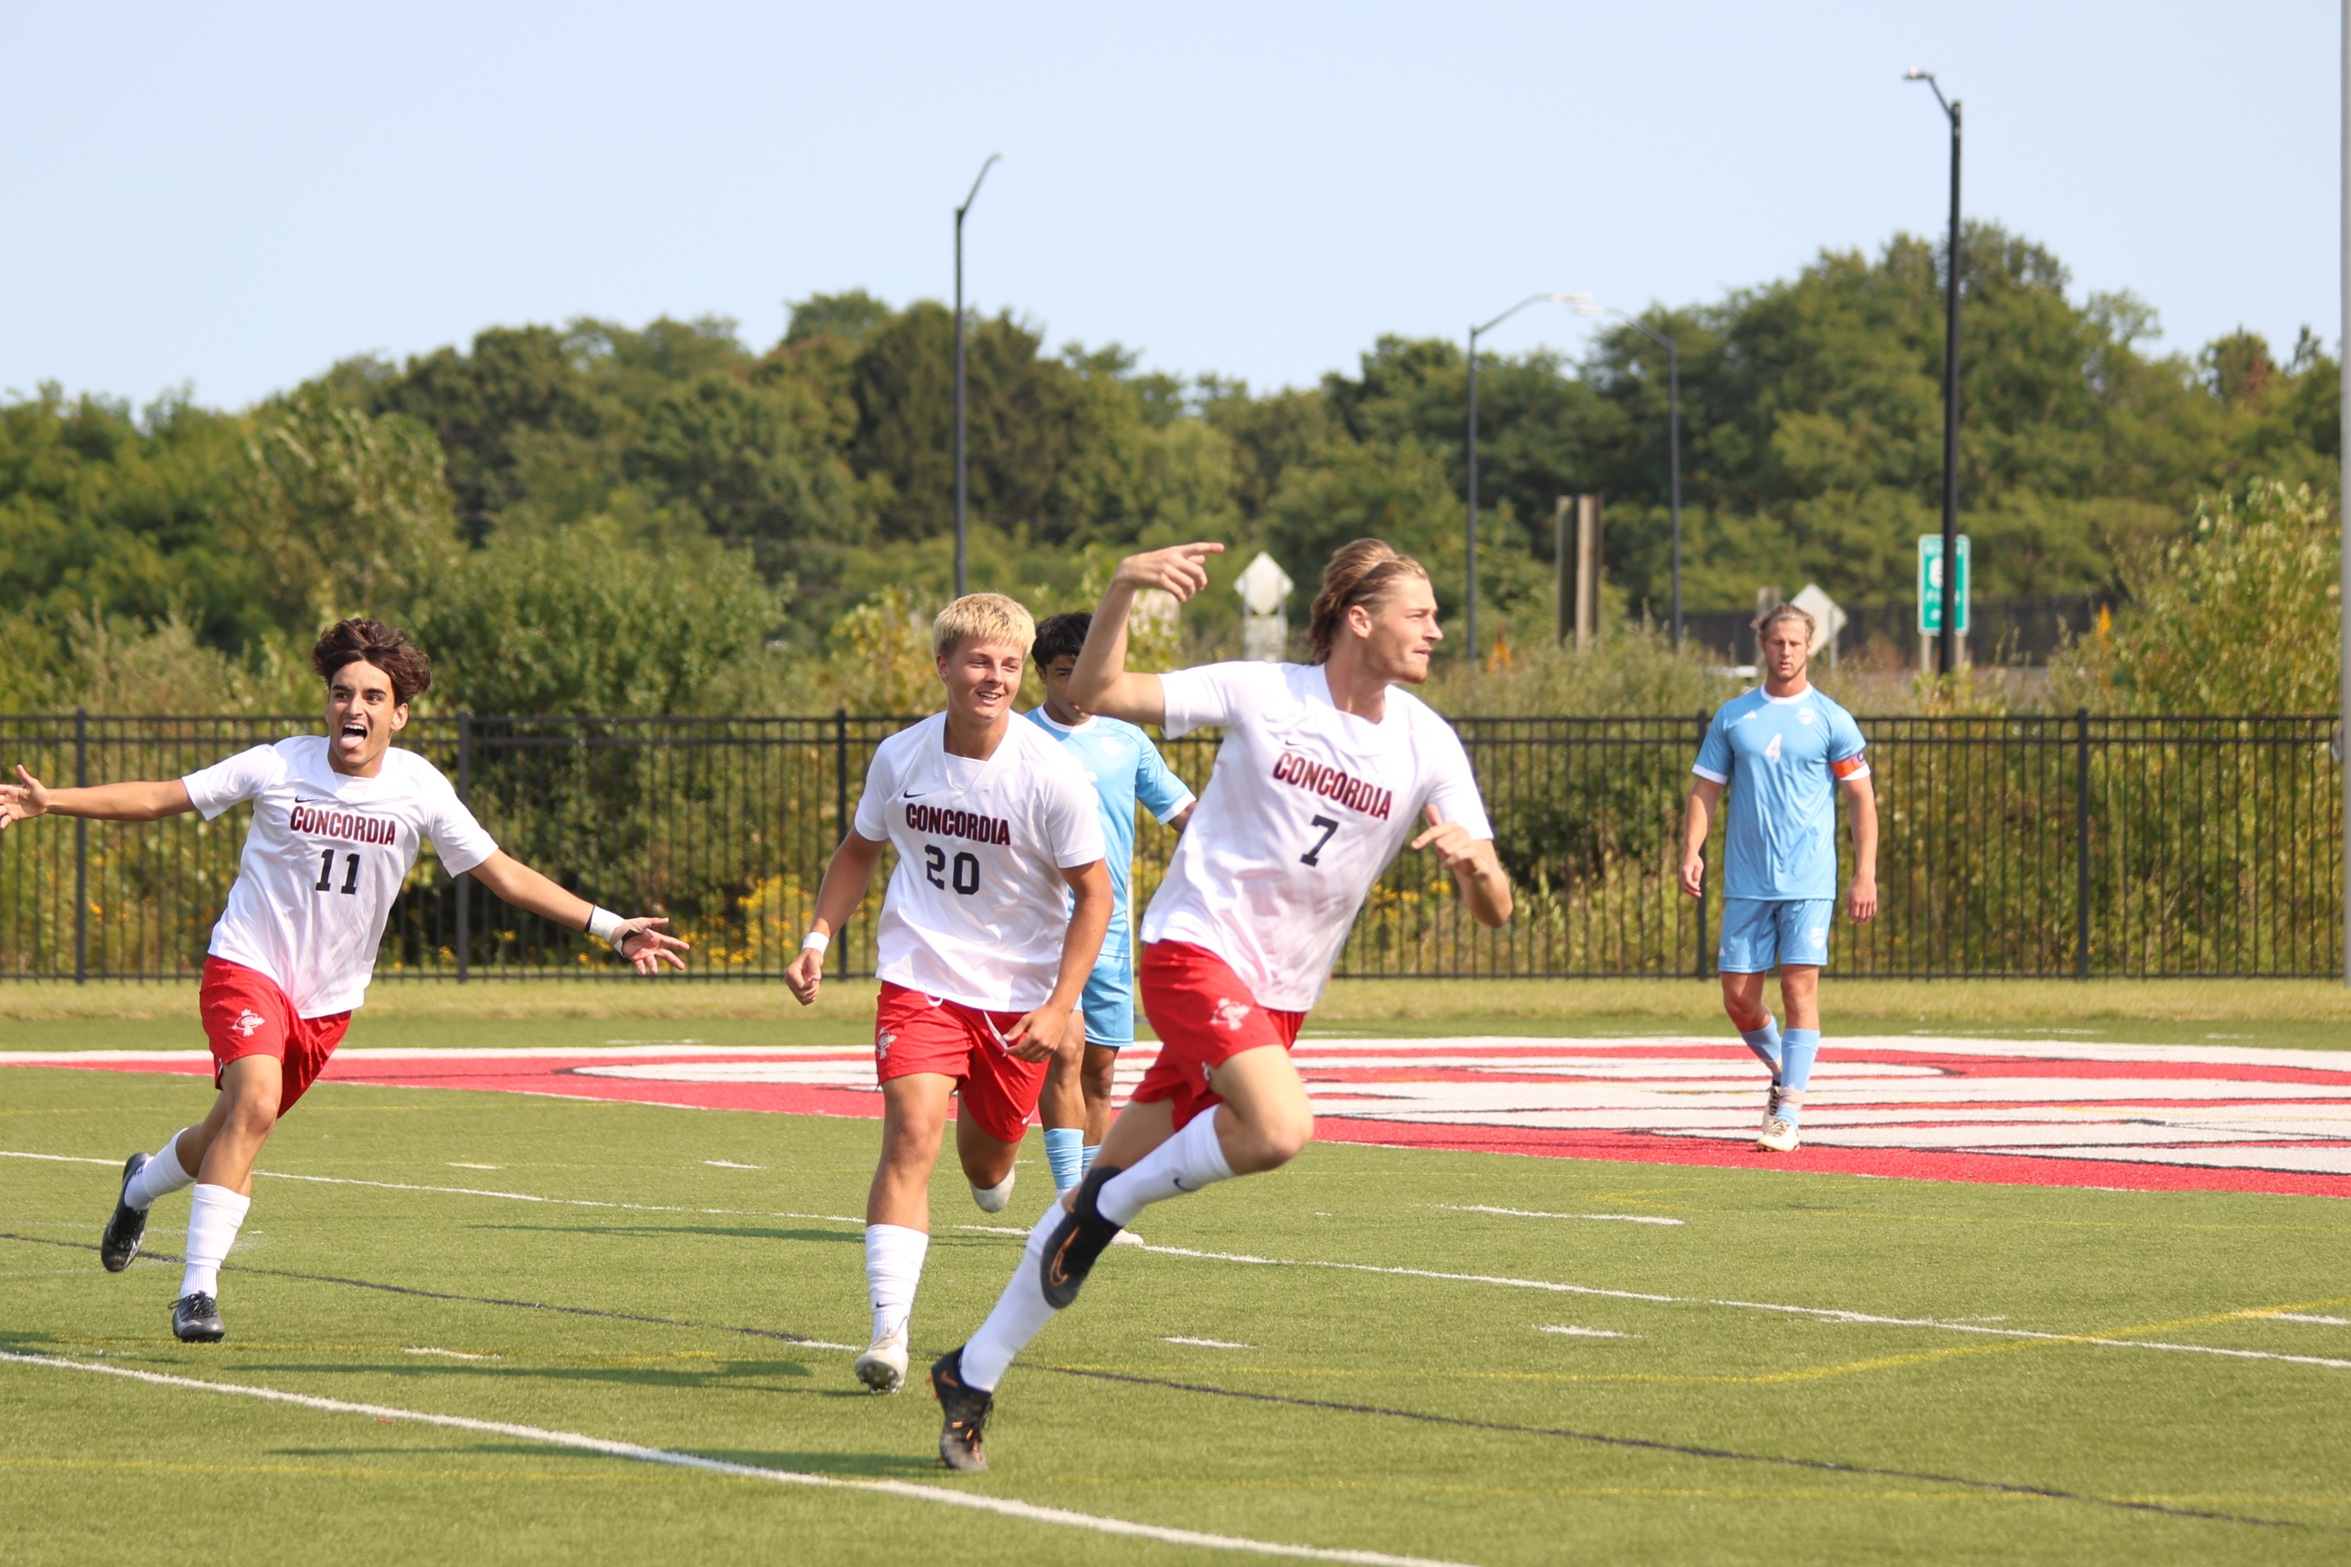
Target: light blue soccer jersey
{"points": [[1780, 760], [1126, 770]]}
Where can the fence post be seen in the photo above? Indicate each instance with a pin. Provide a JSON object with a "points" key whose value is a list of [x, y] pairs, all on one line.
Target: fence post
{"points": [[1699, 971], [2081, 855], [464, 883], [841, 818], [81, 851]]}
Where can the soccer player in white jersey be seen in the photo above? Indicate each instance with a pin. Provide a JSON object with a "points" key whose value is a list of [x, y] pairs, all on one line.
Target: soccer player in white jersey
{"points": [[1126, 771], [1781, 750], [337, 821], [1325, 771], [990, 925]]}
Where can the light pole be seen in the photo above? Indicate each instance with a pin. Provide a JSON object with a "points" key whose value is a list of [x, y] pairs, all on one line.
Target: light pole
{"points": [[962, 492], [1673, 435], [1469, 619], [1947, 646]]}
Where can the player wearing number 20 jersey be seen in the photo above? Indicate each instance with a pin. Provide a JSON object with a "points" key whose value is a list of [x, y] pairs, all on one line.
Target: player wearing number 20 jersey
{"points": [[976, 909], [991, 923]]}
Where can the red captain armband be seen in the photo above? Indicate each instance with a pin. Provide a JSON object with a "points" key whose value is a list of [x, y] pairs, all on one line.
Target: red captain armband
{"points": [[1855, 766]]}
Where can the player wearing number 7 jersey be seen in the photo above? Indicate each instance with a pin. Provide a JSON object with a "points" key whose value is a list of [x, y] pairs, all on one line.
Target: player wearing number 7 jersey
{"points": [[1326, 771], [337, 821]]}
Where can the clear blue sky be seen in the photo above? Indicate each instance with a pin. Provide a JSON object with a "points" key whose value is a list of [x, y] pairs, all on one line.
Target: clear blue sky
{"points": [[236, 196]]}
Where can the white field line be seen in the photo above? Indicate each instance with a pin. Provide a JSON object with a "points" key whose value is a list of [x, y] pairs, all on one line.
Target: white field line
{"points": [[1204, 1343], [1002, 1506], [2296, 1316], [1529, 1213], [1499, 1281], [1568, 1330]]}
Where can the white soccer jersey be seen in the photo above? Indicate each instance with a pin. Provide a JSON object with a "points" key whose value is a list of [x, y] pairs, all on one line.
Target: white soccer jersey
{"points": [[1306, 806], [977, 907], [324, 858]]}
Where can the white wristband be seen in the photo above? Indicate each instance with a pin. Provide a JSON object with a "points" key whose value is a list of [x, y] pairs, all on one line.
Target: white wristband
{"points": [[605, 926], [815, 941]]}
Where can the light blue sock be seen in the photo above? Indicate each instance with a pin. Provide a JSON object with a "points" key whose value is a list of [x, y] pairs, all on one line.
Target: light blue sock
{"points": [[1765, 1042], [1797, 1052], [1086, 1159], [1063, 1151]]}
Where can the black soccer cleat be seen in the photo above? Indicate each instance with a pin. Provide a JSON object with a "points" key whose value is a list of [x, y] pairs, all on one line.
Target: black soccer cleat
{"points": [[1076, 1241], [128, 1227], [965, 1411], [195, 1319]]}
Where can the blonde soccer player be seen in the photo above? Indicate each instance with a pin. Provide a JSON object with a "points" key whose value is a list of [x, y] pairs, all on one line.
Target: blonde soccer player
{"points": [[1326, 771], [337, 822], [990, 926], [1782, 751]]}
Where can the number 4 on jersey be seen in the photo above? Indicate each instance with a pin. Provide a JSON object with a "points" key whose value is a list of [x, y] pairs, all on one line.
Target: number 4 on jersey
{"points": [[326, 873]]}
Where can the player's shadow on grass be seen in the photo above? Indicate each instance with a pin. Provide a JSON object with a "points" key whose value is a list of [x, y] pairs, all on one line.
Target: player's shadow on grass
{"points": [[737, 1375], [740, 1232]]}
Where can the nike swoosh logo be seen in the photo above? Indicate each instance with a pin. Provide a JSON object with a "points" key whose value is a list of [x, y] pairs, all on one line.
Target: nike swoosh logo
{"points": [[1179, 1183], [916, 794]]}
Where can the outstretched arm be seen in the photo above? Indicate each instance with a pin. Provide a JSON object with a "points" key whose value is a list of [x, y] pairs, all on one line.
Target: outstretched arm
{"points": [[28, 797], [837, 897], [1101, 682], [643, 941]]}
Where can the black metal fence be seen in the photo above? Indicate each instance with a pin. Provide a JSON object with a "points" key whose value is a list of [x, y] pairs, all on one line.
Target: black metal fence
{"points": [[2000, 631], [2058, 846]]}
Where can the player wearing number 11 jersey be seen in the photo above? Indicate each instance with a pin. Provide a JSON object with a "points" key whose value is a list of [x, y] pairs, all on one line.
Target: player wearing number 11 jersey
{"points": [[337, 822], [1327, 770]]}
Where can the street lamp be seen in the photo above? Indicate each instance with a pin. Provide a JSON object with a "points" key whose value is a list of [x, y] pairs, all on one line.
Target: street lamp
{"points": [[1470, 603], [1673, 436], [1947, 646], [962, 491]]}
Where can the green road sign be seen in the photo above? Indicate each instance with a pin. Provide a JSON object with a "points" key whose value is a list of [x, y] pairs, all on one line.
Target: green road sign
{"points": [[1930, 584]]}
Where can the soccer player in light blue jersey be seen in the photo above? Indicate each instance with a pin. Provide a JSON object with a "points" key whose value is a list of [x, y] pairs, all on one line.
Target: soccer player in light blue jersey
{"points": [[1126, 770], [1781, 751]]}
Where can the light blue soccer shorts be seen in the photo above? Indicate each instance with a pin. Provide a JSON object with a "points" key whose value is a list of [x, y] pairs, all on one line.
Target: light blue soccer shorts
{"points": [[1109, 1001], [1761, 934]]}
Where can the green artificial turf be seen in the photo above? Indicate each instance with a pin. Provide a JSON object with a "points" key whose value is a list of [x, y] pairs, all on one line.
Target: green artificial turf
{"points": [[1711, 1430]]}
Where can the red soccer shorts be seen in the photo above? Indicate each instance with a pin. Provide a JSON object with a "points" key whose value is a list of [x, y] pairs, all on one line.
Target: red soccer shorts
{"points": [[913, 1033], [1204, 1016], [245, 1014]]}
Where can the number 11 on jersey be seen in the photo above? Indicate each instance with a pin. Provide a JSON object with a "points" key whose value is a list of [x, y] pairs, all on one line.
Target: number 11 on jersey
{"points": [[326, 873]]}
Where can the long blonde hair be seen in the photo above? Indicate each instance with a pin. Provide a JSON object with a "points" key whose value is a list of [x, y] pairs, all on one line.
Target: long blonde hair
{"points": [[1363, 572]]}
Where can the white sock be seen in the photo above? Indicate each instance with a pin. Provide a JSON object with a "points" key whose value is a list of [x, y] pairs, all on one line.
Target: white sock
{"points": [[1020, 1314], [158, 1177], [893, 1267], [215, 1214], [1191, 1159]]}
